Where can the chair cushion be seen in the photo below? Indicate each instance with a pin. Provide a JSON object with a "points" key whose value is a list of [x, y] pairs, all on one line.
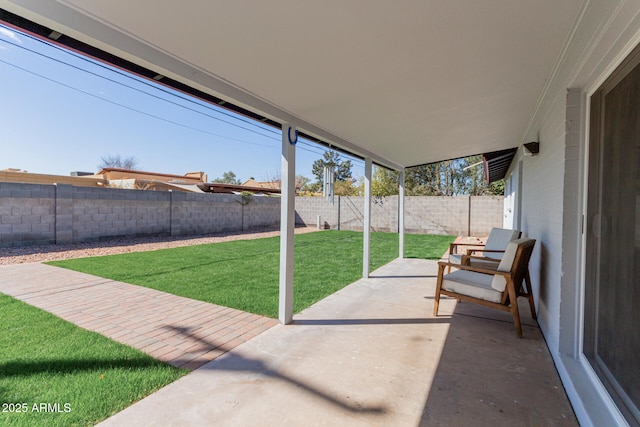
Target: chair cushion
{"points": [[499, 238], [499, 283], [470, 283], [455, 258], [483, 263], [475, 262]]}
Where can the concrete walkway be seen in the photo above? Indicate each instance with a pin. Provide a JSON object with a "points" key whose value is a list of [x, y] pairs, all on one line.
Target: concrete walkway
{"points": [[180, 331], [373, 354]]}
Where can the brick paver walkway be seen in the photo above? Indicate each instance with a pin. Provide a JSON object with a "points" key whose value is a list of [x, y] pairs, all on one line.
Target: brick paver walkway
{"points": [[181, 331]]}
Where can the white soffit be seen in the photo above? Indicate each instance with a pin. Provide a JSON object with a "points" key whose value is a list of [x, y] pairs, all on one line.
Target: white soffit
{"points": [[409, 82]]}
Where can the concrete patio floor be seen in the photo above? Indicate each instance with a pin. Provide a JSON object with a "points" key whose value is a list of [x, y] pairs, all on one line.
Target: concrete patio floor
{"points": [[373, 354]]}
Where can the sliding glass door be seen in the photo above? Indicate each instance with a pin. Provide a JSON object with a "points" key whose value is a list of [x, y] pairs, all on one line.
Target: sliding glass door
{"points": [[612, 294]]}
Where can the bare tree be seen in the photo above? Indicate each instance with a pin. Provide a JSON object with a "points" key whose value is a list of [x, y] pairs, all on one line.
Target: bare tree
{"points": [[302, 182], [116, 161], [272, 176]]}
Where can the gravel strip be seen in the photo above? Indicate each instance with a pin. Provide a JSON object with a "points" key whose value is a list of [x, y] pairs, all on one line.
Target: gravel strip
{"points": [[29, 254]]}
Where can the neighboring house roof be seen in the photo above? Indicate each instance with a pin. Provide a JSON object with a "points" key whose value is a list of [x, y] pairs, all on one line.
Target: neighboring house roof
{"points": [[118, 173], [273, 185], [113, 177], [185, 187], [16, 175], [148, 184], [191, 182], [133, 179], [215, 187]]}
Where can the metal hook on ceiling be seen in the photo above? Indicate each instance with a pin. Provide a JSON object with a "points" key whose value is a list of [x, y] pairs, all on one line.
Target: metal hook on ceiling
{"points": [[292, 141]]}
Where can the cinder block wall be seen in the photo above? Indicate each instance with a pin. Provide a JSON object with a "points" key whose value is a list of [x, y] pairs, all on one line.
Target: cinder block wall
{"points": [[384, 213], [350, 214], [106, 212], [487, 212], [437, 215], [212, 213], [459, 215], [204, 213], [309, 208], [27, 214], [32, 214], [261, 212]]}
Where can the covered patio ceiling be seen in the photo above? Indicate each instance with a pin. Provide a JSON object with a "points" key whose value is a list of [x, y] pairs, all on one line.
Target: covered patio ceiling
{"points": [[404, 83]]}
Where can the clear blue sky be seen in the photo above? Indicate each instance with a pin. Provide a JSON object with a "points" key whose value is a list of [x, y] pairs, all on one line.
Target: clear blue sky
{"points": [[60, 112]]}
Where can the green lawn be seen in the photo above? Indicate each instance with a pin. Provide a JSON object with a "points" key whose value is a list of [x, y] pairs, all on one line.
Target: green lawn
{"points": [[244, 274], [73, 377]]}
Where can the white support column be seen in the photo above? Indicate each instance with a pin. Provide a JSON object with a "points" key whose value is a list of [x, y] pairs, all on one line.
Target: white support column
{"points": [[287, 222], [401, 214], [367, 218]]}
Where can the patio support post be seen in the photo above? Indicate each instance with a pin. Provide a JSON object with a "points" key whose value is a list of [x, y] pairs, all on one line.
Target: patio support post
{"points": [[401, 214], [287, 222], [367, 218]]}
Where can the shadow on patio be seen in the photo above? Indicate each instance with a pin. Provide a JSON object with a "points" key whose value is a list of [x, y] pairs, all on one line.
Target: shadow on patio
{"points": [[372, 354], [238, 363], [488, 376]]}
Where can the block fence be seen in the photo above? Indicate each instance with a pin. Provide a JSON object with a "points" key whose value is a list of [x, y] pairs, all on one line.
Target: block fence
{"points": [[457, 215], [33, 214]]}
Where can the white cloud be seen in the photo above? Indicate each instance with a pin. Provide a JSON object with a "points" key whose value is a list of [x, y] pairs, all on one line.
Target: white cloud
{"points": [[10, 35]]}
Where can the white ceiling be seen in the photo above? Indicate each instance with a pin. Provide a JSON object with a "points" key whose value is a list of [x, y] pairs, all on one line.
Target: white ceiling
{"points": [[406, 82]]}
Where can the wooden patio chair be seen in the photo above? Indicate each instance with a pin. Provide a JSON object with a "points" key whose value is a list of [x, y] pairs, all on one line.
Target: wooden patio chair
{"points": [[496, 288], [492, 249]]}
